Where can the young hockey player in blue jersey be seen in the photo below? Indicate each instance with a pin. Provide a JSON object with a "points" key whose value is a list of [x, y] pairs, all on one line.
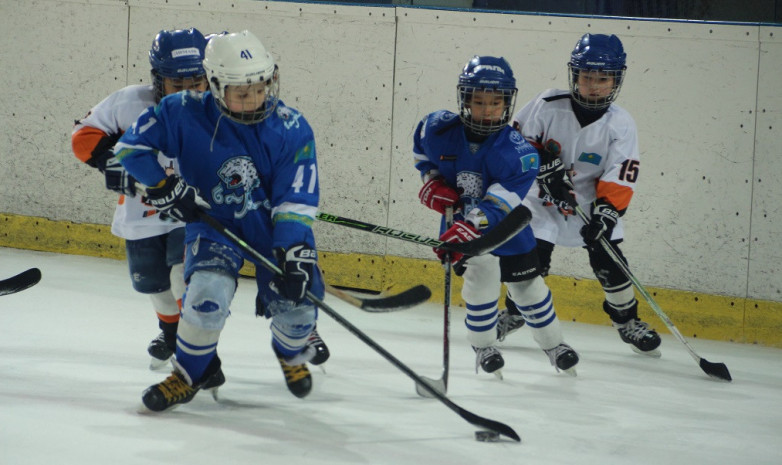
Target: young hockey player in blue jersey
{"points": [[249, 162], [481, 167], [582, 132]]}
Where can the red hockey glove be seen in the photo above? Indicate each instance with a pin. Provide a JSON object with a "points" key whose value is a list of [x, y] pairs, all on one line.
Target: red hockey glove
{"points": [[437, 195], [459, 232]]}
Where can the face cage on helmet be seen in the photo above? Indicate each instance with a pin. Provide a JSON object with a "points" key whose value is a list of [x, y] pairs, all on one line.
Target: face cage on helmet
{"points": [[596, 104], [463, 95], [250, 117], [188, 83]]}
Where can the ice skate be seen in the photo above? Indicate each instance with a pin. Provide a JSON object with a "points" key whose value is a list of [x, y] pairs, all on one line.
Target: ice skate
{"points": [[297, 377], [160, 351], [563, 358], [172, 392], [321, 350], [507, 323], [640, 336], [216, 379], [489, 359]]}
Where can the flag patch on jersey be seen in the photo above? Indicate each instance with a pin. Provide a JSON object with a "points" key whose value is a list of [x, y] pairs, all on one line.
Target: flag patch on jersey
{"points": [[590, 158], [529, 162], [305, 153]]}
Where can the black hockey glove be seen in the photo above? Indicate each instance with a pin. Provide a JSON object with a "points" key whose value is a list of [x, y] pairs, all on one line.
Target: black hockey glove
{"points": [[604, 218], [177, 199], [117, 179], [556, 188], [298, 265]]}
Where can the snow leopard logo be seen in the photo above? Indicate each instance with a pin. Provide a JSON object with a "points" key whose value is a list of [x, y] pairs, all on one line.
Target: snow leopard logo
{"points": [[239, 179], [470, 188]]}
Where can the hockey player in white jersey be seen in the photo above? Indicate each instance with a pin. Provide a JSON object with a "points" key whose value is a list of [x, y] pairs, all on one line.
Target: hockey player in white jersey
{"points": [[589, 147], [154, 244], [477, 164]]}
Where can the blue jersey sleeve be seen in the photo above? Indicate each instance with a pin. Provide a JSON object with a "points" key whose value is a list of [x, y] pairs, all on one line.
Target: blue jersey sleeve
{"points": [[512, 168], [137, 149], [295, 186]]}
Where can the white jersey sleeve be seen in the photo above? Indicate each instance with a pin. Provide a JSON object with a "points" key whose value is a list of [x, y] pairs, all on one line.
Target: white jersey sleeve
{"points": [[133, 219]]}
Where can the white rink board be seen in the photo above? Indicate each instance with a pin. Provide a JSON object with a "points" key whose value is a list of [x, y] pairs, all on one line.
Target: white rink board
{"points": [[704, 96]]}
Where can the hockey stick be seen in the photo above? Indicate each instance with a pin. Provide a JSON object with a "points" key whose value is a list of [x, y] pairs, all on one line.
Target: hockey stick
{"points": [[441, 385], [715, 370], [470, 417], [515, 221], [384, 303], [20, 282]]}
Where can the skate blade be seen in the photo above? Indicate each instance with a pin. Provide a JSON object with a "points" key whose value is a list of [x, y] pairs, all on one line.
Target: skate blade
{"points": [[436, 384], [654, 353], [214, 393], [570, 372], [498, 374]]}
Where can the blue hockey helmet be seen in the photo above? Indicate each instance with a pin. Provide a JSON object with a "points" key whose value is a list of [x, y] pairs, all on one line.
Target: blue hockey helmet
{"points": [[491, 75], [178, 55], [603, 58]]}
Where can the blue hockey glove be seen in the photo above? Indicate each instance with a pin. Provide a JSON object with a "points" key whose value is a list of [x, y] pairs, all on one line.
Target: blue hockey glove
{"points": [[604, 218], [298, 266], [117, 179], [556, 188], [177, 199]]}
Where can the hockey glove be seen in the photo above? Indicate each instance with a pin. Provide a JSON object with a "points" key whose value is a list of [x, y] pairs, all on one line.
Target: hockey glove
{"points": [[177, 199], [460, 232], [298, 265], [556, 188], [117, 179], [437, 195], [604, 218]]}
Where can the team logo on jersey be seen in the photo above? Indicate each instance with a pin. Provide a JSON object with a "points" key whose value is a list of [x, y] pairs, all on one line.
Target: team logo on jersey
{"points": [[239, 178], [592, 158], [289, 117], [470, 186], [446, 116]]}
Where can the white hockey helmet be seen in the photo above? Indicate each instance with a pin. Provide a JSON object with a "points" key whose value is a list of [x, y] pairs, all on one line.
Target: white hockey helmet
{"points": [[240, 59]]}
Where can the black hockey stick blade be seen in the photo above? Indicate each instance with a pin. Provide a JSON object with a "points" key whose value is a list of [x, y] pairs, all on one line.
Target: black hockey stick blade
{"points": [[715, 370], [505, 230], [385, 303], [20, 282]]}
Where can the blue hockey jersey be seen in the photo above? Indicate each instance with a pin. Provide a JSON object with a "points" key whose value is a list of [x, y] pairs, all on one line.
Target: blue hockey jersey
{"points": [[261, 180], [495, 178]]}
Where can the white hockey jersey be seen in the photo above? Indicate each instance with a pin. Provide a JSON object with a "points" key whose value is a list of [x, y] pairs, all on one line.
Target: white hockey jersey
{"points": [[602, 157], [133, 219]]}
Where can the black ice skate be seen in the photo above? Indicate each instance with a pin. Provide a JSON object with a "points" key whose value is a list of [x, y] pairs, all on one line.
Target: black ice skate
{"points": [[161, 350], [564, 358], [489, 359], [172, 392], [640, 336], [321, 351], [507, 323], [297, 377]]}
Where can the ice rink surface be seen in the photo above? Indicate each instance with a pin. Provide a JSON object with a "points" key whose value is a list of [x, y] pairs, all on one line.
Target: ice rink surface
{"points": [[73, 364]]}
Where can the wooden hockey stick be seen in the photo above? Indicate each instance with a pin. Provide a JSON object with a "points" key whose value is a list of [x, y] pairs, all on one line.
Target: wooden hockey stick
{"points": [[715, 370], [441, 385], [499, 428]]}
